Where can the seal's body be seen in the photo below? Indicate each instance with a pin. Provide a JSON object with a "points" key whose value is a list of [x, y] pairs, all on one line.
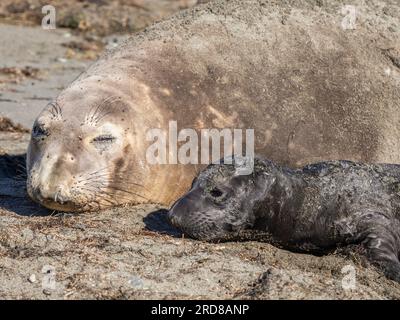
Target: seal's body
{"points": [[313, 209], [306, 87]]}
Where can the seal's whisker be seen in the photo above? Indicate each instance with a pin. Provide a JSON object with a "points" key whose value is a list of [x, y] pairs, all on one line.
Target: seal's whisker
{"points": [[124, 198], [102, 113], [92, 177], [95, 172], [121, 180], [113, 181], [128, 182], [104, 196], [102, 169], [126, 191], [19, 178], [109, 100], [98, 173], [98, 108], [90, 188], [21, 165], [52, 112], [91, 182], [55, 110], [94, 197], [102, 116], [58, 108], [38, 210], [104, 191]]}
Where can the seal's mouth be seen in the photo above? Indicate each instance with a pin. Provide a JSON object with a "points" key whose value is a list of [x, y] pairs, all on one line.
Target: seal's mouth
{"points": [[174, 219], [65, 206], [59, 205], [54, 202], [197, 224]]}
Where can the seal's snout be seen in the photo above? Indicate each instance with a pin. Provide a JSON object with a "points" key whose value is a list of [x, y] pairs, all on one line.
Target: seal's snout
{"points": [[185, 211], [176, 215], [60, 197], [53, 197], [195, 217], [173, 219]]}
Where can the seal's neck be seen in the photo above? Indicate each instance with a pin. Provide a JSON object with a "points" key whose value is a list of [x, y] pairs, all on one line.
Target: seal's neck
{"points": [[281, 199]]}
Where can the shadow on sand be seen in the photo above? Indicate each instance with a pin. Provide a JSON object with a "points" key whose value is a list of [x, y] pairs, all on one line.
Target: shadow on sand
{"points": [[13, 196], [157, 221]]}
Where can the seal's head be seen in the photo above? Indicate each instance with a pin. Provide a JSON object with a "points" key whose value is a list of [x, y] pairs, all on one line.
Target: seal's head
{"points": [[222, 202], [80, 156]]}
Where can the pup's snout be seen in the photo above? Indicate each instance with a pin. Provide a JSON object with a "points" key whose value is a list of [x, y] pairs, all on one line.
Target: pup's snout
{"points": [[174, 215], [186, 208], [173, 219]]}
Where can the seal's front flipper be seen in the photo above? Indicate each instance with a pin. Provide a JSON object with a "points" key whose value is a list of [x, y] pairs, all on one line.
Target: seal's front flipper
{"points": [[383, 244]]}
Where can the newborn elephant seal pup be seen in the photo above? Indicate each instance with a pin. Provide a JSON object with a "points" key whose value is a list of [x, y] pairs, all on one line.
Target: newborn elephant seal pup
{"points": [[313, 209]]}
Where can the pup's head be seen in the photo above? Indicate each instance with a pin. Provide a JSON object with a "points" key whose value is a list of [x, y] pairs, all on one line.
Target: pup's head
{"points": [[222, 202]]}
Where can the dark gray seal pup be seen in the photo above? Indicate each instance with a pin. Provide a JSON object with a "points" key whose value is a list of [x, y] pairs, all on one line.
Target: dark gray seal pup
{"points": [[313, 209]]}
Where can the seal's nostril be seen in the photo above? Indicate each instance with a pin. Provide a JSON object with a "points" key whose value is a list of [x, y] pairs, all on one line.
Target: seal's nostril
{"points": [[61, 199], [172, 218]]}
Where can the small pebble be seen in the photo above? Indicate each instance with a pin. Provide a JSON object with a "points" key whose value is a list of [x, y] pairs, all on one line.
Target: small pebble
{"points": [[32, 278], [136, 282], [46, 292]]}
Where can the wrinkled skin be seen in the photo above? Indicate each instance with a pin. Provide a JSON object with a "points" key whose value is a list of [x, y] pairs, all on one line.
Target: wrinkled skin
{"points": [[313, 209], [77, 161]]}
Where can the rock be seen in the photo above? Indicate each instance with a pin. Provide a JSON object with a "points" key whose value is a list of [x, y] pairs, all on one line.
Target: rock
{"points": [[32, 278], [47, 292], [136, 282]]}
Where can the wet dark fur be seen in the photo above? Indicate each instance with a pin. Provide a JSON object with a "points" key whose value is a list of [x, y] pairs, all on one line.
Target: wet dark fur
{"points": [[314, 209]]}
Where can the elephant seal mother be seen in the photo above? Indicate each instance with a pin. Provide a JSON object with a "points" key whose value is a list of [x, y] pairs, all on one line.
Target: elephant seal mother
{"points": [[313, 209], [310, 89]]}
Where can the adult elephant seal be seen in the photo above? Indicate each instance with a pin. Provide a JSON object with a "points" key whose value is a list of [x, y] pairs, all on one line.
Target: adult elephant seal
{"points": [[313, 209], [310, 89]]}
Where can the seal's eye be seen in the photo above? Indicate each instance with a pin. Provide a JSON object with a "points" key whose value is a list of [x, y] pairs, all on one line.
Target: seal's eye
{"points": [[104, 138], [216, 193], [39, 132]]}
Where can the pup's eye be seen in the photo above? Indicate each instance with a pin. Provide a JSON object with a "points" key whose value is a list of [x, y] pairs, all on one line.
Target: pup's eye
{"points": [[216, 193], [105, 138], [39, 132]]}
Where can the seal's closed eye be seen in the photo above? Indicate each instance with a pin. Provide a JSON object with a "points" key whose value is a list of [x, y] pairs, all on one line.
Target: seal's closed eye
{"points": [[104, 138]]}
